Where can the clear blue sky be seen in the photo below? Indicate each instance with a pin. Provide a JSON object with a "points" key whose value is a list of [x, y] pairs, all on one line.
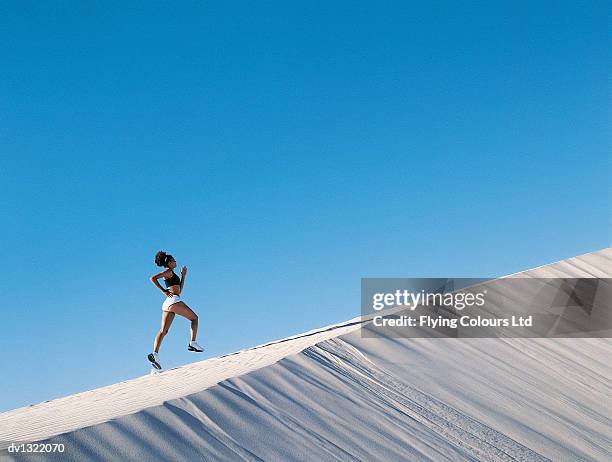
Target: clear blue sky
{"points": [[281, 151]]}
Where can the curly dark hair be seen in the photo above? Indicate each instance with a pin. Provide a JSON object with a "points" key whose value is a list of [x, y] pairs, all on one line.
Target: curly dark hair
{"points": [[161, 258]]}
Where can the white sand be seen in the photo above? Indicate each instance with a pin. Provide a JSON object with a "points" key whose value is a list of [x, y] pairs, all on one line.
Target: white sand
{"points": [[330, 394]]}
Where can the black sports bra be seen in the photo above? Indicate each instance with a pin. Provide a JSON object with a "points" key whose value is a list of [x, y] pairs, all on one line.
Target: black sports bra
{"points": [[173, 280]]}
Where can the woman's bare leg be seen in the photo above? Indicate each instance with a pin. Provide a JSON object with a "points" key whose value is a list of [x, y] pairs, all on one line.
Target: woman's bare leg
{"points": [[167, 318], [183, 310]]}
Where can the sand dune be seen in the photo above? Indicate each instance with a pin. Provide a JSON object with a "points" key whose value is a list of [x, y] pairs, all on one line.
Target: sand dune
{"points": [[331, 394]]}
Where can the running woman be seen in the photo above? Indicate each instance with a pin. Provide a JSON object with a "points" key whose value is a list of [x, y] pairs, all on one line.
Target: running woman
{"points": [[172, 304]]}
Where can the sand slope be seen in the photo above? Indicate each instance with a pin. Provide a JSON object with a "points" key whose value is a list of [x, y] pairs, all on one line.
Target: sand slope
{"points": [[330, 394]]}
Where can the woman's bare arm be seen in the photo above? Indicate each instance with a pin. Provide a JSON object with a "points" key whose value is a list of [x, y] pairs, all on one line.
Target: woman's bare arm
{"points": [[183, 274], [155, 277]]}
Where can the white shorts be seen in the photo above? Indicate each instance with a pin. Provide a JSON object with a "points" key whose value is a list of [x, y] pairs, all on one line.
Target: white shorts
{"points": [[170, 301]]}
